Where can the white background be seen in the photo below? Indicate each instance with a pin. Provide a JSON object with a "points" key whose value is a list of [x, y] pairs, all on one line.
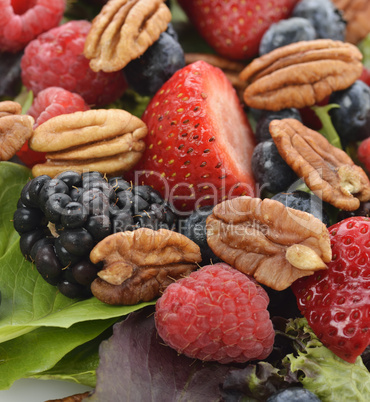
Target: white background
{"points": [[32, 390]]}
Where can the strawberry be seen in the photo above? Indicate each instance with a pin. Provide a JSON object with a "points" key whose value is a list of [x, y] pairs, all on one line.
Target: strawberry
{"points": [[336, 301], [199, 144], [235, 28]]}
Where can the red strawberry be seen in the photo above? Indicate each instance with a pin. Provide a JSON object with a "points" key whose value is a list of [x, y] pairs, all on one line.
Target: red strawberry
{"points": [[235, 28], [336, 301], [199, 143]]}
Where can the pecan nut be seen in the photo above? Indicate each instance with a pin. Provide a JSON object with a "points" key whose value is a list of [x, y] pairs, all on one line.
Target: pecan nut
{"points": [[327, 170], [107, 140], [357, 15], [10, 108], [301, 74], [139, 265], [264, 238], [15, 129], [123, 30]]}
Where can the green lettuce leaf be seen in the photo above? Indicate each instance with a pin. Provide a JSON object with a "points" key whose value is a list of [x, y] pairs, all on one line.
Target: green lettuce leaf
{"points": [[325, 374], [79, 365], [42, 349], [13, 177], [28, 302]]}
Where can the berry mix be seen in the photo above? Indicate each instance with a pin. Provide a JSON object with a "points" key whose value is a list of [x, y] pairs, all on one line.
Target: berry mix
{"points": [[225, 332]]}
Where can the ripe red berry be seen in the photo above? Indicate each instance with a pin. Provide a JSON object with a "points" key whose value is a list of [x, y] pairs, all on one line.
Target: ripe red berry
{"points": [[56, 58], [216, 313], [50, 102], [22, 21], [363, 153], [54, 101], [336, 301], [235, 28], [199, 145]]}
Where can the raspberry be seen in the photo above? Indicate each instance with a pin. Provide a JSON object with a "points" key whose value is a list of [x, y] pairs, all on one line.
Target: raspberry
{"points": [[56, 58], [50, 102], [54, 101], [23, 21], [216, 313]]}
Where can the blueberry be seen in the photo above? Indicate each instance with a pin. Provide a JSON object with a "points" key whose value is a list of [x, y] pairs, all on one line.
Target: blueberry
{"points": [[352, 119], [194, 227], [287, 31], [270, 170], [324, 16], [293, 394], [262, 127], [150, 71], [305, 202]]}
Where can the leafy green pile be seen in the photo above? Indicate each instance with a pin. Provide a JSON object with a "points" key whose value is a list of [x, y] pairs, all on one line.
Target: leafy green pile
{"points": [[42, 331]]}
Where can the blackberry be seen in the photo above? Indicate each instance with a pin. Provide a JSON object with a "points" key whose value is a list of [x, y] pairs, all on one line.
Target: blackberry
{"points": [[270, 170], [194, 227], [305, 202], [61, 219], [287, 31], [160, 61]]}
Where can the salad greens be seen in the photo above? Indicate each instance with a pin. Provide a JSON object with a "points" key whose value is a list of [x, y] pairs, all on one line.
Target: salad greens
{"points": [[324, 373]]}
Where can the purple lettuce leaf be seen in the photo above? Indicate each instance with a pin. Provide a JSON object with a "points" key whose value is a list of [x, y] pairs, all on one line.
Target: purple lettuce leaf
{"points": [[135, 365]]}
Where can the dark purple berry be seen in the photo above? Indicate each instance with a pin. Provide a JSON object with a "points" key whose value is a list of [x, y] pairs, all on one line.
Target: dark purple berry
{"points": [[285, 32], [270, 170]]}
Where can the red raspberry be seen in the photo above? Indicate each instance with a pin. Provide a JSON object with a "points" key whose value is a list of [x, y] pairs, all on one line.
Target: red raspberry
{"points": [[216, 313], [23, 20], [56, 58], [364, 153], [54, 101], [50, 102]]}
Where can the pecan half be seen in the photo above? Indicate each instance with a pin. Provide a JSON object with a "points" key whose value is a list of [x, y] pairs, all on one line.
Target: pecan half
{"points": [[107, 140], [9, 108], [123, 30], [301, 74], [263, 238], [357, 15], [327, 170], [15, 129], [139, 265]]}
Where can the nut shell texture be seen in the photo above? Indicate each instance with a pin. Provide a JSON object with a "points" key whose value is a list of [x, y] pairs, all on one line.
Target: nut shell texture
{"points": [[217, 313]]}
